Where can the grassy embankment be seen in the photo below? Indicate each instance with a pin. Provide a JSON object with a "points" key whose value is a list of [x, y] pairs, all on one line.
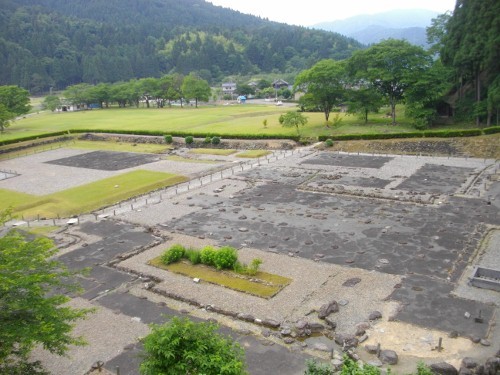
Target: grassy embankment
{"points": [[88, 197]]}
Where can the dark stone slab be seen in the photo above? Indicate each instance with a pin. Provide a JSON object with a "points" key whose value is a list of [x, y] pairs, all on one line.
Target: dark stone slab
{"points": [[117, 239], [428, 302], [356, 161], [130, 305], [439, 179], [106, 160]]}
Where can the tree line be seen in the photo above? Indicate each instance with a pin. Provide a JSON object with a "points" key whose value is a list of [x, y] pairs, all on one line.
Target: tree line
{"points": [[48, 43], [458, 76]]}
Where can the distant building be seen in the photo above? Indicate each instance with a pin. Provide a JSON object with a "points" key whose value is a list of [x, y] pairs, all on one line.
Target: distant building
{"points": [[279, 84], [228, 88]]}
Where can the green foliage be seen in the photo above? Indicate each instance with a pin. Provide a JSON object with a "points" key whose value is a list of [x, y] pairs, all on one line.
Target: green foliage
{"points": [[329, 142], [51, 102], [392, 67], [254, 266], [193, 255], [315, 368], [173, 254], [225, 258], [182, 347], [207, 255], [189, 139], [293, 119], [264, 122], [31, 313], [423, 369], [14, 101], [193, 87], [168, 138], [323, 85], [351, 367], [492, 130], [215, 140], [207, 140]]}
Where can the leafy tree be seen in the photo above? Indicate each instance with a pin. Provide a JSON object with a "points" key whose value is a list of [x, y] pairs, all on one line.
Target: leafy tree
{"points": [[424, 95], [391, 66], [184, 347], [51, 102], [324, 85], [293, 118], [470, 47], [243, 89], [494, 100], [363, 99], [29, 315], [195, 88], [437, 32], [14, 101]]}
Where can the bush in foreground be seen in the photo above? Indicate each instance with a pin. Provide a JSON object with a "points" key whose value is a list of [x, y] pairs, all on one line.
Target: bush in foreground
{"points": [[182, 347]]}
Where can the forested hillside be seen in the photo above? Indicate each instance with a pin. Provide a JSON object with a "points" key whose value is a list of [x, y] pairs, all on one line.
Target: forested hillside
{"points": [[50, 43]]}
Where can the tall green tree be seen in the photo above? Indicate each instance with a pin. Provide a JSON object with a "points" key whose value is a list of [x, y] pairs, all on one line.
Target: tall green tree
{"points": [[471, 48], [324, 85], [51, 102], [31, 311], [195, 88], [391, 66], [363, 98], [14, 101], [183, 347]]}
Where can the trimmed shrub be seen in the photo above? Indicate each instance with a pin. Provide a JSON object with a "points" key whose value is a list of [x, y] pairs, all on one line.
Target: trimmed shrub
{"points": [[189, 139], [215, 140], [173, 254], [207, 255], [168, 138], [491, 130], [225, 258], [207, 140], [328, 143], [193, 255]]}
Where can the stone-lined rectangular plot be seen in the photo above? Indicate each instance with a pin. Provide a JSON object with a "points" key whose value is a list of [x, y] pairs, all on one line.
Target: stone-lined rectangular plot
{"points": [[106, 160], [355, 161], [439, 179]]}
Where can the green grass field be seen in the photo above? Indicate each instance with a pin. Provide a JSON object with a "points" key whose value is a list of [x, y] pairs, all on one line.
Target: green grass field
{"points": [[234, 119], [89, 197]]}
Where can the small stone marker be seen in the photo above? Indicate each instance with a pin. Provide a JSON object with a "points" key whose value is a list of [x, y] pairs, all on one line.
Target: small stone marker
{"points": [[196, 280]]}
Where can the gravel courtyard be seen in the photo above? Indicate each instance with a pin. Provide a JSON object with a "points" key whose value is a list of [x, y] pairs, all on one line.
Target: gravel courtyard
{"points": [[394, 234]]}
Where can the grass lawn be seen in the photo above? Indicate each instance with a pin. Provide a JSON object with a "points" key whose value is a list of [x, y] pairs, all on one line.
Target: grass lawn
{"points": [[253, 154], [213, 151], [264, 285], [235, 119], [89, 197]]}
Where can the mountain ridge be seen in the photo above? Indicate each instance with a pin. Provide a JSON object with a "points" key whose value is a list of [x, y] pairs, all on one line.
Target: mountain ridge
{"points": [[49, 43], [409, 24]]}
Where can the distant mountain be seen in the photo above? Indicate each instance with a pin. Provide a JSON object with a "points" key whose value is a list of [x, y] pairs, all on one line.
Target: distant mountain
{"points": [[53, 43], [406, 24]]}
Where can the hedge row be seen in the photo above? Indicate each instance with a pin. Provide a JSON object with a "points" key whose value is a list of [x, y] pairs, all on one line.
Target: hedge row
{"points": [[32, 137], [420, 134], [185, 134], [321, 138], [492, 130]]}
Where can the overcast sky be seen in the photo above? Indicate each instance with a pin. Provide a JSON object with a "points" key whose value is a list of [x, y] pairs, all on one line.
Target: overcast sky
{"points": [[310, 12]]}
